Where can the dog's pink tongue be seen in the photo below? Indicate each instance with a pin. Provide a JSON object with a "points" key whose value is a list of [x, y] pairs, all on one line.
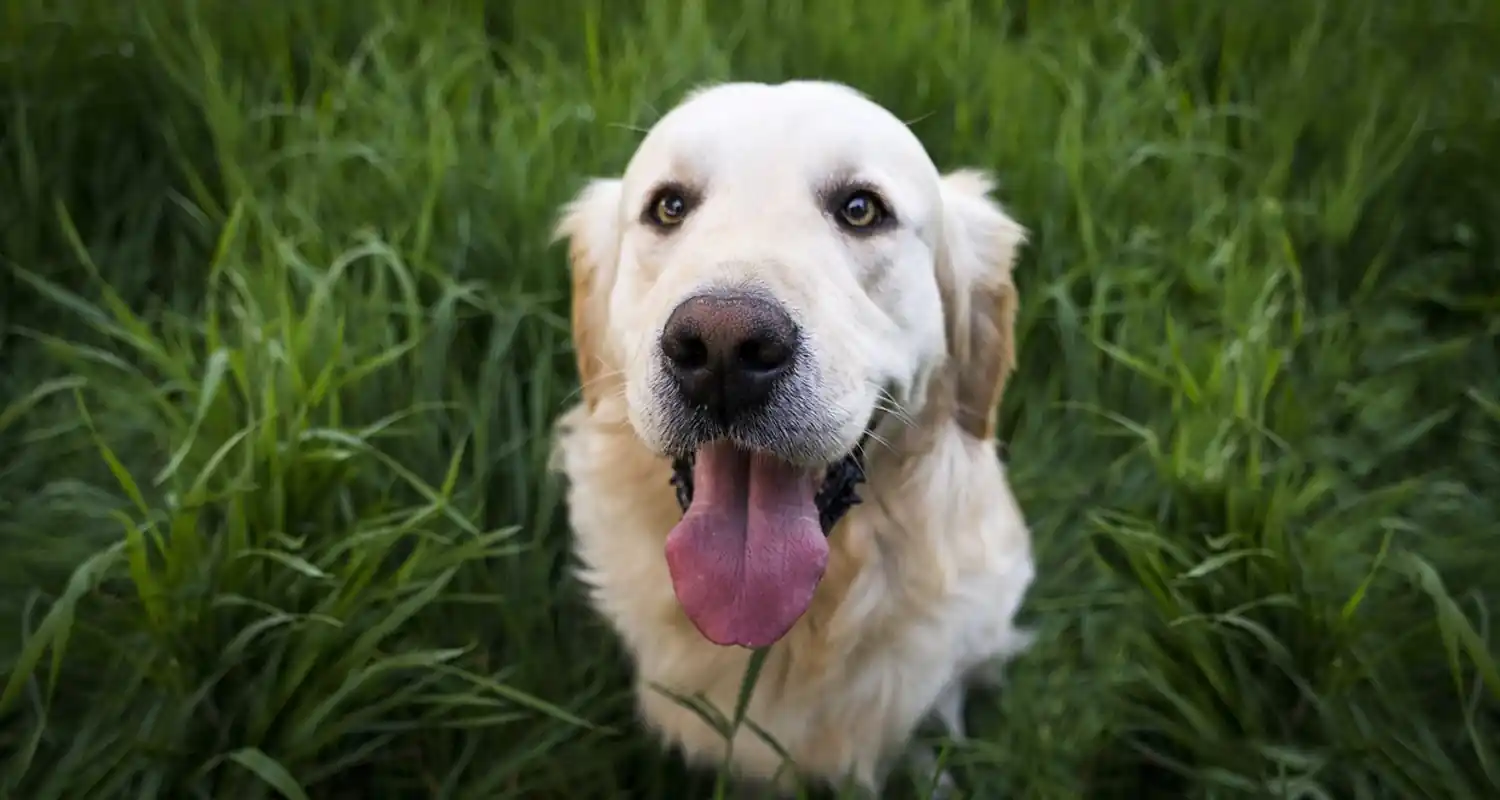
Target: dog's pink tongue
{"points": [[749, 552]]}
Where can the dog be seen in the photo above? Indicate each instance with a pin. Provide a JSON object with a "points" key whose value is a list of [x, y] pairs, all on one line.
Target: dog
{"points": [[792, 333]]}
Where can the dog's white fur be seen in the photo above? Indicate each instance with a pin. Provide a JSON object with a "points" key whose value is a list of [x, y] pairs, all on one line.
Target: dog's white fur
{"points": [[925, 577]]}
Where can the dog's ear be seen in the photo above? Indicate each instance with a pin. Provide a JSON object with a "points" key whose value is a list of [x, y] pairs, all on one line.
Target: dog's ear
{"points": [[979, 249], [590, 224]]}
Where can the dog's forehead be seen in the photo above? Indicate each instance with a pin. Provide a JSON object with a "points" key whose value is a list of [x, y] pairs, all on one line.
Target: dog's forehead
{"points": [[765, 129]]}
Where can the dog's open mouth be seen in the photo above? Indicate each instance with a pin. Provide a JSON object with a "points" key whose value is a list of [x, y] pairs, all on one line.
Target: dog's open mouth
{"points": [[752, 545]]}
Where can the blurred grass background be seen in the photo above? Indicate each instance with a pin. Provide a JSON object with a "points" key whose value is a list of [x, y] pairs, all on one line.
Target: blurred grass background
{"points": [[283, 335]]}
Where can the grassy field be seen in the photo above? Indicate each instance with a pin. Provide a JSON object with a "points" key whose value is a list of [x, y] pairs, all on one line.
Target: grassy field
{"points": [[283, 334]]}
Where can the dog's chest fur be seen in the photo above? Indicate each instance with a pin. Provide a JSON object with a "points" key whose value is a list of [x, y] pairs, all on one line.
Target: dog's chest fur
{"points": [[923, 582]]}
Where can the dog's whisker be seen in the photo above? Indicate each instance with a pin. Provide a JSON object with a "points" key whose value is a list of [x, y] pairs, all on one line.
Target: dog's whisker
{"points": [[888, 405], [616, 393], [628, 127], [897, 412], [607, 375], [873, 438]]}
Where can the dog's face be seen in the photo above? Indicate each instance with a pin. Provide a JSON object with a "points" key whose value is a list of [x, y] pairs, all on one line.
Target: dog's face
{"points": [[777, 267]]}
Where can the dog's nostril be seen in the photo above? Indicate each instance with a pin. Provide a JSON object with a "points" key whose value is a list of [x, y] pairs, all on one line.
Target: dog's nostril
{"points": [[763, 354], [686, 351]]}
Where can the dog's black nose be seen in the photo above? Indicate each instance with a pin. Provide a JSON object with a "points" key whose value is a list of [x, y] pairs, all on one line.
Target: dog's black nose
{"points": [[727, 351]]}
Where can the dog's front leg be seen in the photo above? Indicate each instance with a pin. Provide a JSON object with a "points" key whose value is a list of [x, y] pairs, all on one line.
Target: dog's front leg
{"points": [[949, 711], [924, 764], [990, 674]]}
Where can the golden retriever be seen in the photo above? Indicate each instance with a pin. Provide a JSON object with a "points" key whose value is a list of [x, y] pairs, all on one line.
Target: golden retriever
{"points": [[784, 309]]}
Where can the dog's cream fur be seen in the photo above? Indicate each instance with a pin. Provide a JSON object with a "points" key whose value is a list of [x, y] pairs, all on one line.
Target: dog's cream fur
{"points": [[924, 578]]}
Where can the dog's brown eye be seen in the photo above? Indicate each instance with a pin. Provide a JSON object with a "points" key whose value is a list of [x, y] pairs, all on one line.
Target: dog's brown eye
{"points": [[862, 210], [670, 209]]}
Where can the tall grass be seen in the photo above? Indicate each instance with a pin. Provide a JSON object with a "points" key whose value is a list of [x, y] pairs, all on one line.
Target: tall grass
{"points": [[283, 336]]}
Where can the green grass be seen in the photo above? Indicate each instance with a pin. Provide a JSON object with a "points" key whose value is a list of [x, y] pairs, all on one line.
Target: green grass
{"points": [[283, 335]]}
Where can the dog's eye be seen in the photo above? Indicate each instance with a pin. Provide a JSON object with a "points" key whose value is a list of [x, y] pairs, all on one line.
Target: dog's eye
{"points": [[669, 208], [862, 210]]}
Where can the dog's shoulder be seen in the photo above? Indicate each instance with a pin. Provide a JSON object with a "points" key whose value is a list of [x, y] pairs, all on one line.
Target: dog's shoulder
{"points": [[946, 553]]}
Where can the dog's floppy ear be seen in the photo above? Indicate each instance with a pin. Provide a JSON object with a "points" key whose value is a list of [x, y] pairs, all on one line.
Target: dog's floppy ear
{"points": [[979, 249], [590, 224]]}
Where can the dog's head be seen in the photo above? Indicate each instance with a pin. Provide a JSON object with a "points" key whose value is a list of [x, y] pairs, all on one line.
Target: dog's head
{"points": [[778, 267]]}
